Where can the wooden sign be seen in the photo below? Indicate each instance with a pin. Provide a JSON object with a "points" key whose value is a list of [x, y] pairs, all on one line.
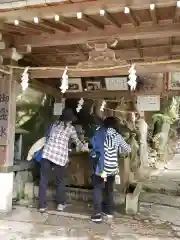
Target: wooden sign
{"points": [[148, 103], [116, 83]]}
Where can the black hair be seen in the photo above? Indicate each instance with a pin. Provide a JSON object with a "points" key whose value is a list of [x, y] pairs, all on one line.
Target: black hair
{"points": [[61, 120], [97, 120], [111, 122]]}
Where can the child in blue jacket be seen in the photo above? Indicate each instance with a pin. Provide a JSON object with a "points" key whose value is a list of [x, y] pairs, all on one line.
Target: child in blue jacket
{"points": [[106, 143]]}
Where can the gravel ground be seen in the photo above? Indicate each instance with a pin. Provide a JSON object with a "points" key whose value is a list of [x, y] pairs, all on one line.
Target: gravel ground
{"points": [[27, 223]]}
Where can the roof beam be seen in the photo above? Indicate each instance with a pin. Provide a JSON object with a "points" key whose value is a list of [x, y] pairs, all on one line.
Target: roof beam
{"points": [[153, 13], [55, 26], [131, 16], [89, 21], [108, 17], [176, 13], [89, 7], [144, 31], [65, 22], [37, 27]]}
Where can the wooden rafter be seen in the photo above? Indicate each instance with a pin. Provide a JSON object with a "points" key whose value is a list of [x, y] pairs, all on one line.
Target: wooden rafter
{"points": [[89, 7], [65, 22], [132, 18], [109, 18], [176, 14], [90, 21], [144, 31], [10, 27], [23, 28], [153, 13], [55, 26], [37, 27]]}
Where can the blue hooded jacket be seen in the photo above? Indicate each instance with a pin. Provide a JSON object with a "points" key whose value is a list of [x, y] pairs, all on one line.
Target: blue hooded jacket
{"points": [[97, 153], [102, 150]]}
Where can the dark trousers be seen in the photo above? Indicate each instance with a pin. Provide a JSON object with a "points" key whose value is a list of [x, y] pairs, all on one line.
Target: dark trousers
{"points": [[103, 196], [59, 172]]}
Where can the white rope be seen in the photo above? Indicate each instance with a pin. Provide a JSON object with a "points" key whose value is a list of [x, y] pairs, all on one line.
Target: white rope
{"points": [[74, 69]]}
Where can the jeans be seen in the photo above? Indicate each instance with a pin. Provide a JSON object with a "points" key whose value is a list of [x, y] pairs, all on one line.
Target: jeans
{"points": [[59, 172], [107, 188]]}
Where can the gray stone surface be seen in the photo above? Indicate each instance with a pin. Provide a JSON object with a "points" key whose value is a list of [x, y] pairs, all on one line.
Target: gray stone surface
{"points": [[22, 181], [22, 166], [27, 223], [29, 190], [165, 180]]}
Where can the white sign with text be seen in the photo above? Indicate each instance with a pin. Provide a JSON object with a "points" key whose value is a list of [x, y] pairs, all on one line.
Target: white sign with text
{"points": [[148, 103], [116, 83]]}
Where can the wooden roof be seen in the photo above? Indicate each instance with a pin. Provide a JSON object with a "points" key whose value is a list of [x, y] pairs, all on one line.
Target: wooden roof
{"points": [[140, 31]]}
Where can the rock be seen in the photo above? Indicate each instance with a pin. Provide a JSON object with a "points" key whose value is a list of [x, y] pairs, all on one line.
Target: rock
{"points": [[15, 190], [24, 175], [19, 185], [29, 190], [36, 191], [132, 199]]}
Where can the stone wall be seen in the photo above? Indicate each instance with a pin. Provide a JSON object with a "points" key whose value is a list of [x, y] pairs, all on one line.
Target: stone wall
{"points": [[22, 179]]}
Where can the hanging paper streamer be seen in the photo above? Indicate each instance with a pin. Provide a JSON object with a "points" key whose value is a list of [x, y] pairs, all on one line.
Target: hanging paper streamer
{"points": [[80, 104], [103, 106], [133, 116], [25, 79], [132, 78], [64, 83]]}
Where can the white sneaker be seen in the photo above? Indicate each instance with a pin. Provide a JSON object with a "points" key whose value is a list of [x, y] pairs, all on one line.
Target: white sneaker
{"points": [[61, 207], [42, 210], [109, 216]]}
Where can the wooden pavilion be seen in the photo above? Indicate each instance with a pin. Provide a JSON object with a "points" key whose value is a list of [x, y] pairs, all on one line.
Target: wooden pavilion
{"points": [[94, 38]]}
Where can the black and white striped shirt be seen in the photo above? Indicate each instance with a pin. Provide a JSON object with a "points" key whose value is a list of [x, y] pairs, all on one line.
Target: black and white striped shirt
{"points": [[113, 145]]}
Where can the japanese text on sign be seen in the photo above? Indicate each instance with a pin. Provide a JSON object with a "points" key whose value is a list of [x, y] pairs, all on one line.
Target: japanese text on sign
{"points": [[116, 83], [4, 101]]}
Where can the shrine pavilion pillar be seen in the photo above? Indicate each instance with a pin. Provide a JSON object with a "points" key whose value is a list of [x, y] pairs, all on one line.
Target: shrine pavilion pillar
{"points": [[7, 134]]}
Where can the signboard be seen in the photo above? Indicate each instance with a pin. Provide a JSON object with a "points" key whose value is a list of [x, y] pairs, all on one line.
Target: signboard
{"points": [[148, 103], [4, 102], [116, 83]]}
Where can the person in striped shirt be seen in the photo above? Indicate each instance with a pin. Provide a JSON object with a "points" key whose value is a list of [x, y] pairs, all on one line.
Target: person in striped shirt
{"points": [[107, 144]]}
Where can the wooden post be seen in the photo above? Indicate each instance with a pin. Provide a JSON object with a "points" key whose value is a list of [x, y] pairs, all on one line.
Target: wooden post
{"points": [[7, 134]]}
